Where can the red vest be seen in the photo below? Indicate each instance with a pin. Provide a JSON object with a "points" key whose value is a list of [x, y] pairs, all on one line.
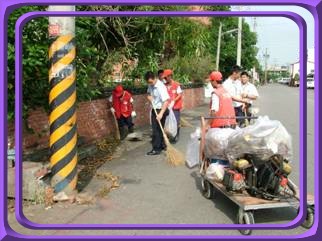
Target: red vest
{"points": [[122, 105], [172, 90], [226, 109]]}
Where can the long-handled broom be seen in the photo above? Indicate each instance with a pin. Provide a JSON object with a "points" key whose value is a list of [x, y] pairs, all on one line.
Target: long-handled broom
{"points": [[185, 123], [118, 136], [174, 157]]}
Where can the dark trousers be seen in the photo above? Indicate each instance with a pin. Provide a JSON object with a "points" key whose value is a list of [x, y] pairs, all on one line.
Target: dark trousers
{"points": [[123, 122], [248, 113], [239, 113], [157, 136]]}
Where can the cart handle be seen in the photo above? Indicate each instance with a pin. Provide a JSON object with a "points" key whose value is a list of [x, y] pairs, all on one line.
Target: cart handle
{"points": [[227, 117]]}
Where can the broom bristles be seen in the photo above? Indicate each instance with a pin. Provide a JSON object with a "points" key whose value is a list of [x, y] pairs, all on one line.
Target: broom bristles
{"points": [[174, 157], [185, 123]]}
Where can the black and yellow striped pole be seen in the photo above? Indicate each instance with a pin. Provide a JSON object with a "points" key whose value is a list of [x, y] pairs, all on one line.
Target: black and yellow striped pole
{"points": [[62, 101]]}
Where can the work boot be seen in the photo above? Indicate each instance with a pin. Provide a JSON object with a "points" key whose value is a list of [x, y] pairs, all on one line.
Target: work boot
{"points": [[172, 140], [164, 147], [123, 133], [131, 129], [153, 153]]}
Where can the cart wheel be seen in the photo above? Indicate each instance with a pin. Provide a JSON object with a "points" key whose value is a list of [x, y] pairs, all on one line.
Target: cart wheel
{"points": [[309, 221], [203, 184], [245, 218], [209, 191]]}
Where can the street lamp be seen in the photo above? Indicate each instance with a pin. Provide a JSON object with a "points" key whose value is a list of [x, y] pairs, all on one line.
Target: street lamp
{"points": [[220, 34]]}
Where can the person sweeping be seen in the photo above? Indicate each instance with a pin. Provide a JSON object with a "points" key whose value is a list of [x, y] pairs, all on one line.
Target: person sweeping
{"points": [[122, 108], [159, 98]]}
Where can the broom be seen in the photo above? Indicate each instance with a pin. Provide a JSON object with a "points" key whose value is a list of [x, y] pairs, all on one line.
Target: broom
{"points": [[118, 136], [174, 157], [185, 123]]}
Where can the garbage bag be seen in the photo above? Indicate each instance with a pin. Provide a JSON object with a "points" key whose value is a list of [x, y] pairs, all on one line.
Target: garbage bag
{"points": [[192, 153], [262, 139], [196, 133], [216, 141], [215, 172], [170, 126]]}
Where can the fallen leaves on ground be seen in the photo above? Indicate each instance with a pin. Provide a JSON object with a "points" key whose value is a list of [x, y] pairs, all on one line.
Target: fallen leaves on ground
{"points": [[85, 198], [112, 183], [49, 197], [87, 167]]}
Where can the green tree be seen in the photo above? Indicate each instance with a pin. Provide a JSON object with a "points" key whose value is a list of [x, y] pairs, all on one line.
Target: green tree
{"points": [[185, 45], [228, 51]]}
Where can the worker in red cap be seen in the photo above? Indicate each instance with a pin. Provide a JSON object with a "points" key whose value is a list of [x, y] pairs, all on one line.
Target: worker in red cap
{"points": [[175, 93], [221, 104], [122, 103]]}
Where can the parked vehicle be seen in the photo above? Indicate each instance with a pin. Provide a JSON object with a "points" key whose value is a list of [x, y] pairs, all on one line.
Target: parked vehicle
{"points": [[310, 83], [284, 81]]}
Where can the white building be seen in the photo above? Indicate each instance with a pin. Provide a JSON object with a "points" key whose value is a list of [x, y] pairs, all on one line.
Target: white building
{"points": [[295, 67]]}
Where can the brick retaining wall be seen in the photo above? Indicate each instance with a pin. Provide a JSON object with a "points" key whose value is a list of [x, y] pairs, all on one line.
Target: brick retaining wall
{"points": [[94, 120]]}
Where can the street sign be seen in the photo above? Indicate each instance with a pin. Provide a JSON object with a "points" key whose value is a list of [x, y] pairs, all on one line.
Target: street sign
{"points": [[54, 30]]}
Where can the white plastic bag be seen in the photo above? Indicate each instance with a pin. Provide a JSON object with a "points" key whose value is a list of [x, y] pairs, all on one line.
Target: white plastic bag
{"points": [[196, 133], [263, 139], [216, 142], [192, 153], [170, 126], [216, 172]]}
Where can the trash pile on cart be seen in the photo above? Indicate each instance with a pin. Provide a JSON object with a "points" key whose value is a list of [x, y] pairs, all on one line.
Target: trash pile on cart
{"points": [[255, 158]]}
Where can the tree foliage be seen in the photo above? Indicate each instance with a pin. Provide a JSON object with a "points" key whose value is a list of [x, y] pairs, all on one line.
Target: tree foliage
{"points": [[187, 46]]}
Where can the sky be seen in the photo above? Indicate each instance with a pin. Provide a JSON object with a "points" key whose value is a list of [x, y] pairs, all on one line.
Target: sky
{"points": [[280, 35]]}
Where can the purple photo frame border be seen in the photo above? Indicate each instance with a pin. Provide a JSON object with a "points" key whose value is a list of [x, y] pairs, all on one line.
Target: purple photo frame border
{"points": [[3, 91]]}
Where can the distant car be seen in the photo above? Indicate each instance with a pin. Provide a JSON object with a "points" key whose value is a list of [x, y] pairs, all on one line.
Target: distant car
{"points": [[310, 83], [284, 81]]}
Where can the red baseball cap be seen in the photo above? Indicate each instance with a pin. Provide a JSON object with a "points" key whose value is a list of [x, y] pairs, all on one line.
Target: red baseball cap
{"points": [[215, 75], [167, 72], [119, 90]]}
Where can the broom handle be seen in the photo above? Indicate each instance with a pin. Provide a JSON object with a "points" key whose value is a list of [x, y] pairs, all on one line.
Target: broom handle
{"points": [[118, 136], [164, 135]]}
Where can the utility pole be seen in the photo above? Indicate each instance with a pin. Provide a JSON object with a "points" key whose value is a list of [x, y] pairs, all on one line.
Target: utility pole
{"points": [[240, 26], [220, 34], [266, 56], [62, 101], [254, 25], [254, 67], [218, 46]]}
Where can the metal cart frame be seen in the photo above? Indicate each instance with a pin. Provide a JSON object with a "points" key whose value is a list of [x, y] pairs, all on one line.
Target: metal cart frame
{"points": [[247, 204]]}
